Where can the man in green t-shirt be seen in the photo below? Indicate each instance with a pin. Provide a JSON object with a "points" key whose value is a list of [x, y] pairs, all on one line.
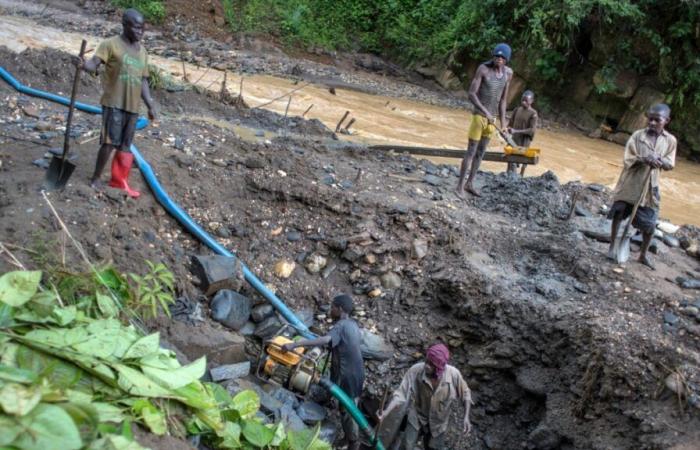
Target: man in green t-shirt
{"points": [[125, 83]]}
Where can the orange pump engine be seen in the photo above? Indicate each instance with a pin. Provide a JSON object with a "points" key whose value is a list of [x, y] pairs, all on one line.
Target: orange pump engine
{"points": [[295, 370]]}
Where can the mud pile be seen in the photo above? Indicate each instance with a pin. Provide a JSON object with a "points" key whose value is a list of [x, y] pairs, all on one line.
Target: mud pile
{"points": [[561, 348]]}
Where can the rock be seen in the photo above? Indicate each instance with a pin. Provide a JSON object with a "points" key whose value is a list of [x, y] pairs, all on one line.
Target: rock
{"points": [[635, 117], [179, 144], [306, 316], [693, 250], [41, 163], [285, 397], [352, 254], [596, 187], [30, 111], [217, 272], [689, 283], [654, 246], [690, 311], [391, 280], [370, 258], [328, 271], [675, 383], [230, 371], [268, 404], [667, 227], [581, 211], [544, 438], [374, 346], [315, 263], [290, 419], [262, 312], [218, 345], [670, 318], [374, 293], [248, 329], [685, 242], [268, 327], [223, 232], [597, 228], [230, 309], [284, 268], [329, 431], [420, 248], [259, 133], [254, 162], [671, 241], [311, 413], [294, 236], [44, 126], [619, 138], [432, 180]]}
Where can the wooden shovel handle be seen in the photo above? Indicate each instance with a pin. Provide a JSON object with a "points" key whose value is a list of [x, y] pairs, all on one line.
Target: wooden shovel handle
{"points": [[71, 108]]}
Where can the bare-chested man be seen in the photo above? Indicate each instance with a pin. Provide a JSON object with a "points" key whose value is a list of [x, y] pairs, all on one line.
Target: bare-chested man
{"points": [[488, 93]]}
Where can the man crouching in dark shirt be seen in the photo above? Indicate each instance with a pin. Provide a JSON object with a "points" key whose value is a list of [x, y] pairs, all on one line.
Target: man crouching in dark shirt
{"points": [[347, 367]]}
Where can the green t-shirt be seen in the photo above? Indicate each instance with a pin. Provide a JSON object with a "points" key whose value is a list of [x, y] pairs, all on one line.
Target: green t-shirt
{"points": [[124, 72]]}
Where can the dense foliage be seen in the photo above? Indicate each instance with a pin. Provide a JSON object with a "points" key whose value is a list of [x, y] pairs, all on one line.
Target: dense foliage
{"points": [[152, 10], [653, 38]]}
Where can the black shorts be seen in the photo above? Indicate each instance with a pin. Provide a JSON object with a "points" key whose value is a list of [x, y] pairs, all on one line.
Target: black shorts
{"points": [[644, 220], [118, 127]]}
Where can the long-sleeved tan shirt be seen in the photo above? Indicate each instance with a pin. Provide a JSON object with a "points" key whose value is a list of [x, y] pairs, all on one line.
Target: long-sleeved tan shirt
{"points": [[631, 183], [428, 406]]}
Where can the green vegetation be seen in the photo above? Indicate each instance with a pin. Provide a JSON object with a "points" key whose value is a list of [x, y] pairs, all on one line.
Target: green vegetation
{"points": [[73, 376], [153, 290], [152, 10], [658, 39]]}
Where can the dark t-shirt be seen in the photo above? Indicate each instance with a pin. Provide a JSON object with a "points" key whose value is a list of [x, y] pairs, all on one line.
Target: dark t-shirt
{"points": [[347, 367]]}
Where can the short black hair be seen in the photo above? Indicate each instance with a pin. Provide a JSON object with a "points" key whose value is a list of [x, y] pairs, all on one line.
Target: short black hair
{"points": [[131, 14], [528, 93], [344, 302], [661, 109]]}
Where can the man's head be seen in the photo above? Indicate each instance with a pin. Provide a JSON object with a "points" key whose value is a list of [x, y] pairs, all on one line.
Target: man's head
{"points": [[436, 359], [341, 304], [132, 21], [658, 116], [527, 99], [501, 54]]}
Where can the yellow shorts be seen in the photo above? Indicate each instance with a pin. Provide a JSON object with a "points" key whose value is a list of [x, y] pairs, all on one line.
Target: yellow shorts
{"points": [[480, 128]]}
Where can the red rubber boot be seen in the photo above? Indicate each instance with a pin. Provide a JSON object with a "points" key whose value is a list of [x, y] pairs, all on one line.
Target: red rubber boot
{"points": [[121, 165]]}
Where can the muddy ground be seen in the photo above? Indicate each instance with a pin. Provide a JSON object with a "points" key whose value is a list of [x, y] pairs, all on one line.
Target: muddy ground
{"points": [[561, 348]]}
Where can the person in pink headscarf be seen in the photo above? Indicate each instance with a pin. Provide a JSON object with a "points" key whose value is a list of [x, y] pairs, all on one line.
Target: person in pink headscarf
{"points": [[428, 390]]}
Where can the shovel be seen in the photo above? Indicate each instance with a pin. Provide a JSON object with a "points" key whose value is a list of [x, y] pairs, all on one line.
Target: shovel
{"points": [[622, 245], [60, 168], [506, 137]]}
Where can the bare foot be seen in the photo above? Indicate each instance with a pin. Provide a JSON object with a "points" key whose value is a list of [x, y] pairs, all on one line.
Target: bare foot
{"points": [[97, 185], [473, 191], [459, 192], [647, 262], [611, 253]]}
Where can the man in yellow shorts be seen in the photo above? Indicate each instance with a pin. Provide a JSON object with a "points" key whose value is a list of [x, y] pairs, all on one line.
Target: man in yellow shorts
{"points": [[488, 93]]}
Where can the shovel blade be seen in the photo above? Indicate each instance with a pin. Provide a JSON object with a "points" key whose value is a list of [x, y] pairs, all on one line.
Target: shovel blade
{"points": [[622, 250], [58, 173]]}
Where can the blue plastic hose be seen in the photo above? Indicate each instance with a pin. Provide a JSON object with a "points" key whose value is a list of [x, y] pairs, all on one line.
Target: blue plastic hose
{"points": [[193, 227], [173, 208]]}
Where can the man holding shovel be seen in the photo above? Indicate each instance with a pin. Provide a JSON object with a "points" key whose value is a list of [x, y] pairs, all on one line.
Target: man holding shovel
{"points": [[648, 151], [125, 83], [488, 93]]}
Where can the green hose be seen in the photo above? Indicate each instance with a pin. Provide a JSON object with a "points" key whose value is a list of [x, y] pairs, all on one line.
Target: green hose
{"points": [[351, 407]]}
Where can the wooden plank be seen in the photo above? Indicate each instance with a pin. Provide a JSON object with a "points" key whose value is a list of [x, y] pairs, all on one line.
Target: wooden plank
{"points": [[452, 153]]}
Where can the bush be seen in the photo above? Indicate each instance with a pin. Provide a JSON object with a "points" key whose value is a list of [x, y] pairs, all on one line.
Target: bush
{"points": [[152, 10]]}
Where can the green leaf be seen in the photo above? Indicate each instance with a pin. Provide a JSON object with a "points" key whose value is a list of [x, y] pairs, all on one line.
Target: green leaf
{"points": [[153, 417], [197, 396], [177, 378], [107, 305], [85, 417], [136, 383], [257, 433], [9, 373], [108, 413], [115, 442], [11, 428], [231, 436], [303, 439], [19, 400], [64, 316], [246, 403], [48, 426], [144, 346], [221, 395], [17, 288], [279, 435], [6, 313]]}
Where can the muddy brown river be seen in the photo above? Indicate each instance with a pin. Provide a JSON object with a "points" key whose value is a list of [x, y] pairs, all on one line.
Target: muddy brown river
{"points": [[379, 119]]}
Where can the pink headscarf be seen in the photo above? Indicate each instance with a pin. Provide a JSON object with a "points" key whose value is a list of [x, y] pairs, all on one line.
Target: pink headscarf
{"points": [[438, 355]]}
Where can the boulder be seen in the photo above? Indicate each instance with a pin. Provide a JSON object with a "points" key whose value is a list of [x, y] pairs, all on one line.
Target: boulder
{"points": [[311, 413], [544, 438], [619, 138], [448, 80], [635, 116], [420, 248], [218, 345], [230, 371], [268, 327], [261, 312], [230, 309], [217, 272], [374, 346], [391, 280]]}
